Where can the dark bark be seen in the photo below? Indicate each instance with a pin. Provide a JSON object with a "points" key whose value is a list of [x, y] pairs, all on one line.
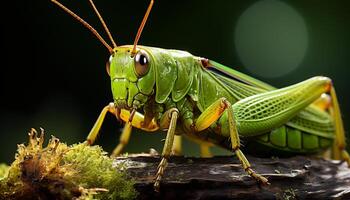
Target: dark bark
{"points": [[223, 178]]}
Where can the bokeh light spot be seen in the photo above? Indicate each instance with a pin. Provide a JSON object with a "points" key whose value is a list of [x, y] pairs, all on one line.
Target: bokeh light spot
{"points": [[271, 38]]}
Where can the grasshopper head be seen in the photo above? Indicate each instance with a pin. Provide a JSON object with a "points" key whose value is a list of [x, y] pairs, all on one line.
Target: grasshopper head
{"points": [[132, 77], [129, 67]]}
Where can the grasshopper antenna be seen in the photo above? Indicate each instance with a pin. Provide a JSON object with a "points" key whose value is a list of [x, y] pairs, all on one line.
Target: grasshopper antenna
{"points": [[133, 52], [87, 25], [103, 23]]}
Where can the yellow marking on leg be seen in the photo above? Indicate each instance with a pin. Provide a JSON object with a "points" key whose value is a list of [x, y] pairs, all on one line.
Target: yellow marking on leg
{"points": [[210, 115], [138, 120], [324, 102], [169, 141]]}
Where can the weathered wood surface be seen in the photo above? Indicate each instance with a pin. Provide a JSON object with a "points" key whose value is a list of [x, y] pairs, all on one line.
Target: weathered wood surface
{"points": [[223, 178]]}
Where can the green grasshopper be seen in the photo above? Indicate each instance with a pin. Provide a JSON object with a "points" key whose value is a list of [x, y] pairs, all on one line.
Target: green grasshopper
{"points": [[158, 89]]}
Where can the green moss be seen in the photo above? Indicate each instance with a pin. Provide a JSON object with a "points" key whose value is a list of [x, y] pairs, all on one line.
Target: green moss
{"points": [[98, 172], [3, 170], [59, 171]]}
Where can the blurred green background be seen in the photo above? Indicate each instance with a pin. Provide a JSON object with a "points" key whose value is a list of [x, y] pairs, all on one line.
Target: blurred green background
{"points": [[53, 69]]}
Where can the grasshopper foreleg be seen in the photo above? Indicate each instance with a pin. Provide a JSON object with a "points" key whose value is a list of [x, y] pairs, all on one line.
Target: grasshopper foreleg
{"points": [[97, 126], [124, 115], [123, 140]]}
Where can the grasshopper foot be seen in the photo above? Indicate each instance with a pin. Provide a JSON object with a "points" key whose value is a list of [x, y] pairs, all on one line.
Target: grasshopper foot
{"points": [[161, 167], [259, 178]]}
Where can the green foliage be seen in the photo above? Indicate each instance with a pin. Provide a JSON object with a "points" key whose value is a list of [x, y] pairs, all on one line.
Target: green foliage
{"points": [[59, 171]]}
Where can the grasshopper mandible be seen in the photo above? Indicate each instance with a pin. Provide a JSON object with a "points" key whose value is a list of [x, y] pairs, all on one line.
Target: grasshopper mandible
{"points": [[170, 90]]}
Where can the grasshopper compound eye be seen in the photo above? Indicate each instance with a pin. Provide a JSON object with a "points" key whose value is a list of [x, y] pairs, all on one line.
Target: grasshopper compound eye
{"points": [[141, 63], [108, 64]]}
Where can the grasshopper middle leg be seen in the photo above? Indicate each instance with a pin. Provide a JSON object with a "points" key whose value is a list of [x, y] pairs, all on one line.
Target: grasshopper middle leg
{"points": [[168, 120], [177, 146]]}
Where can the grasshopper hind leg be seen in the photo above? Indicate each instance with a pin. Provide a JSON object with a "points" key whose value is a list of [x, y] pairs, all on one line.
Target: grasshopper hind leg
{"points": [[210, 116], [339, 149], [330, 103], [236, 147]]}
